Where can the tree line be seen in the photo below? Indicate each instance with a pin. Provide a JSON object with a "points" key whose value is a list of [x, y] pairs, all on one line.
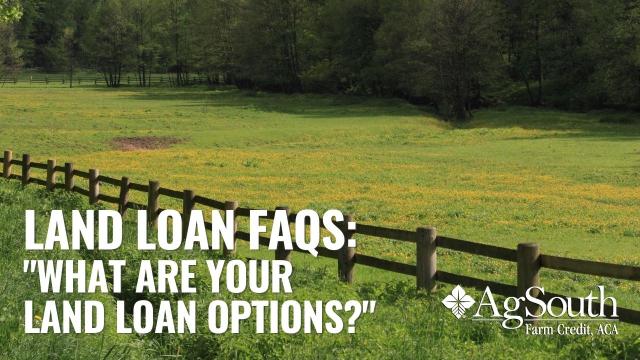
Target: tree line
{"points": [[456, 55]]}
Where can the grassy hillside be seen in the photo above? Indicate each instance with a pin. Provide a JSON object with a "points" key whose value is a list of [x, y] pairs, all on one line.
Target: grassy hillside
{"points": [[568, 181], [406, 324]]}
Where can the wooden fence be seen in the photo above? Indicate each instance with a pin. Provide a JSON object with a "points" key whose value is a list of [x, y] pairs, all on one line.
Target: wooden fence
{"points": [[97, 80], [527, 255]]}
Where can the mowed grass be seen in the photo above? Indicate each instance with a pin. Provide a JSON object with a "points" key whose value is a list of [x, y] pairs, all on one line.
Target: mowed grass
{"points": [[567, 181]]}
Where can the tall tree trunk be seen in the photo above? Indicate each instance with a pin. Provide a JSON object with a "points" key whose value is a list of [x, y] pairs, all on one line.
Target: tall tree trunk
{"points": [[538, 60], [525, 79], [459, 109], [71, 75]]}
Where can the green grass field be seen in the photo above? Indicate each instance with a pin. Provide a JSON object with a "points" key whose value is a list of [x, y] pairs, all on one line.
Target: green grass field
{"points": [[407, 324], [565, 180]]}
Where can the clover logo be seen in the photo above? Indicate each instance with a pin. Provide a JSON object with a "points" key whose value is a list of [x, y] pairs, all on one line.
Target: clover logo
{"points": [[458, 301]]}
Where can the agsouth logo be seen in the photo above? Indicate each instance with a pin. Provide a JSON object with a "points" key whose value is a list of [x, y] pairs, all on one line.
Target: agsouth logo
{"points": [[458, 301], [557, 308]]}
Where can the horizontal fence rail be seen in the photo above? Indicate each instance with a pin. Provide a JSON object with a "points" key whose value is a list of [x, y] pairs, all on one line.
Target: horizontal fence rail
{"points": [[527, 256], [149, 80], [491, 251], [624, 272]]}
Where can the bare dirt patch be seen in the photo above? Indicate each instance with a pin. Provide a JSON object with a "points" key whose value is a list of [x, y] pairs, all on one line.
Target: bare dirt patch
{"points": [[144, 142]]}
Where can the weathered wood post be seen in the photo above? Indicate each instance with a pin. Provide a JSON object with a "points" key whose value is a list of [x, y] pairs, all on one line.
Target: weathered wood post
{"points": [[6, 169], [123, 199], [152, 203], [26, 169], [69, 181], [281, 252], [528, 258], [231, 205], [346, 255], [187, 207], [51, 175], [426, 258], [94, 186]]}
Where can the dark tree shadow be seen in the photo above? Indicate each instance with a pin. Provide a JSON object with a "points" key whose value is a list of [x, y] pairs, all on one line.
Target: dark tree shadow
{"points": [[611, 125], [306, 105], [604, 124]]}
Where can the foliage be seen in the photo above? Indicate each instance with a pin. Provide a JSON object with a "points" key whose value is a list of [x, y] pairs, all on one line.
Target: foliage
{"points": [[110, 40], [343, 47], [267, 41], [10, 54], [456, 55], [10, 11], [462, 52], [144, 18]]}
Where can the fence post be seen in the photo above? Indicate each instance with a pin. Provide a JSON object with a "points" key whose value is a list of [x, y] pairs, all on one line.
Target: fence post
{"points": [[426, 258], [6, 170], [528, 258], [26, 169], [94, 186], [281, 252], [346, 255], [187, 207], [69, 182], [51, 175], [123, 200], [231, 205], [152, 203]]}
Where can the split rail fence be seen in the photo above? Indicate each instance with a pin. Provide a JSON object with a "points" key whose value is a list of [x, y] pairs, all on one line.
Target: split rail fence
{"points": [[527, 255], [95, 80]]}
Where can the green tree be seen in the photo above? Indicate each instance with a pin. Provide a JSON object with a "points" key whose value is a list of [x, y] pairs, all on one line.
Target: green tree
{"points": [[213, 22], [344, 46], [110, 42], [400, 48], [619, 46], [72, 51], [526, 24], [461, 54], [51, 19], [10, 11], [145, 23], [175, 40], [267, 43], [10, 59], [10, 53]]}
